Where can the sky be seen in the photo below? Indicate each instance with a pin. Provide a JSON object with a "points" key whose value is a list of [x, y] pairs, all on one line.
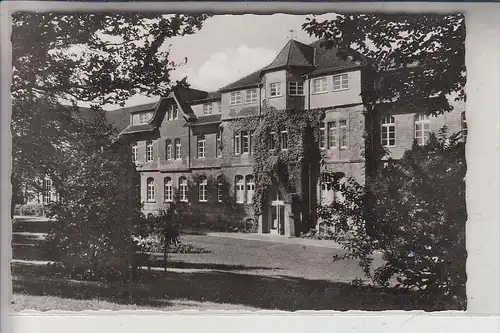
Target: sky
{"points": [[229, 47]]}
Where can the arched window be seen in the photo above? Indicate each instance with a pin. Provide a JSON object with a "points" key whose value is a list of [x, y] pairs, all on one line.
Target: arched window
{"points": [[135, 152], [149, 151], [183, 189], [169, 153], [220, 188], [178, 149], [202, 189], [388, 131], [240, 189], [168, 192], [250, 188], [422, 128], [150, 189]]}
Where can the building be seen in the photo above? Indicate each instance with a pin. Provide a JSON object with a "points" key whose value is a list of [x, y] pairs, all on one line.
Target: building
{"points": [[187, 151]]}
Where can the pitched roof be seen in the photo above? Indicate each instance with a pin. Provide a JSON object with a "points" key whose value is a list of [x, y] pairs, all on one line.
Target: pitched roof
{"points": [[138, 128], [206, 120], [249, 80], [327, 59], [294, 54]]}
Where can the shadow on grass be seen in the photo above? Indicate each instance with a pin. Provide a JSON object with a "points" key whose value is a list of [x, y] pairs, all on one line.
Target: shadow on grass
{"points": [[159, 289]]}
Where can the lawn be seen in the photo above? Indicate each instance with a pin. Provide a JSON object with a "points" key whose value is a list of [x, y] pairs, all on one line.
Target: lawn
{"points": [[238, 274]]}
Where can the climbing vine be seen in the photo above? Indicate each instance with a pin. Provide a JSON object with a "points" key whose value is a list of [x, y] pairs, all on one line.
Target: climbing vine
{"points": [[281, 169]]}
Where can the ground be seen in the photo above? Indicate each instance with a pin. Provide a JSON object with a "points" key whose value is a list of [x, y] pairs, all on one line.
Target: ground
{"points": [[240, 274]]}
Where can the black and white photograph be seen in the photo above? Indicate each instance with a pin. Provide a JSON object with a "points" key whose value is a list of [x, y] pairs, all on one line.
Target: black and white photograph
{"points": [[209, 161]]}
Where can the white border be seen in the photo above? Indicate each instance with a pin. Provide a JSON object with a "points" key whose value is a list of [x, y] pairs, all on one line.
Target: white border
{"points": [[483, 227]]}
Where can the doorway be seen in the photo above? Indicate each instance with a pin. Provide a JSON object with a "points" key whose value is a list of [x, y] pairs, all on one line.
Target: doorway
{"points": [[277, 217]]}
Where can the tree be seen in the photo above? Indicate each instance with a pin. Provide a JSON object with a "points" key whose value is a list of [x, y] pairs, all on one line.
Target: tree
{"points": [[417, 221]]}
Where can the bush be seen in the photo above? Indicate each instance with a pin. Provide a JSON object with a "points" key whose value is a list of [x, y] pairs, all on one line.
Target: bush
{"points": [[29, 209], [413, 212]]}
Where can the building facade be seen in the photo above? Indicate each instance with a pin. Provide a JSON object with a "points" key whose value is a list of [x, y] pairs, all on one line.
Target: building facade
{"points": [[187, 152]]}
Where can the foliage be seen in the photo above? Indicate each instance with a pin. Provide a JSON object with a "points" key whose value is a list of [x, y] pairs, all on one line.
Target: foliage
{"points": [[414, 57], [154, 243], [408, 213], [29, 209]]}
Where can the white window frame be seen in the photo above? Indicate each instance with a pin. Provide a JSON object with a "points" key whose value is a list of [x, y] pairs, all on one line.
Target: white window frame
{"points": [[150, 189], [272, 141], [220, 188], [149, 151], [296, 88], [340, 82], [168, 194], [422, 134], [183, 189], [235, 98], [240, 189], [207, 109], [388, 126], [202, 189], [320, 85], [250, 188], [201, 146], [169, 150], [218, 143], [275, 89], [284, 140], [237, 143], [135, 152], [343, 134], [245, 142], [251, 96], [322, 136], [178, 149], [332, 133]]}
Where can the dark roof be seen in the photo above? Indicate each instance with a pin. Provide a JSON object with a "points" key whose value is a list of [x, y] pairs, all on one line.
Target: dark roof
{"points": [[206, 120], [249, 80], [138, 128], [294, 54], [327, 59]]}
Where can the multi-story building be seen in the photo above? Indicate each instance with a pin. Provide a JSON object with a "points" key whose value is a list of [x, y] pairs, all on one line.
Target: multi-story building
{"points": [[187, 152]]}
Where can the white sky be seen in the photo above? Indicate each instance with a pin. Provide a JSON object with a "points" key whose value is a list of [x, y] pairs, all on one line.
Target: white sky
{"points": [[231, 46]]}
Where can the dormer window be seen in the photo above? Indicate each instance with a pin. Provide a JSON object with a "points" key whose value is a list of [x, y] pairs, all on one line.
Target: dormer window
{"points": [[142, 117], [235, 98], [172, 112], [207, 108]]}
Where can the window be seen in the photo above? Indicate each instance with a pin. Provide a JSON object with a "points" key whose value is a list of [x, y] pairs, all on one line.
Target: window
{"points": [[340, 82], [183, 189], [464, 125], [142, 117], [202, 189], [201, 146], [332, 188], [284, 140], [251, 96], [251, 141], [245, 142], [220, 188], [326, 190], [320, 85], [47, 191], [250, 188], [295, 88], [219, 107], [332, 134], [169, 150], [343, 134], [218, 143], [149, 151], [135, 153], [272, 141], [178, 149], [150, 189], [275, 89], [172, 112], [207, 108], [168, 193], [422, 128], [235, 98], [237, 143], [240, 189], [388, 131], [322, 136]]}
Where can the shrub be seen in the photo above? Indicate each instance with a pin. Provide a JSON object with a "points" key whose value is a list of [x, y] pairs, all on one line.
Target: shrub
{"points": [[30, 209]]}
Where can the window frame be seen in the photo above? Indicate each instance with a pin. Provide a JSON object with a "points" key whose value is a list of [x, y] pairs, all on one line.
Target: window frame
{"points": [[177, 149], [240, 189], [253, 99], [168, 188], [201, 146], [318, 79], [150, 190], [237, 100], [169, 150], [183, 189], [422, 120], [343, 84], [150, 151], [245, 138], [249, 182], [332, 133], [135, 152], [297, 86], [202, 189], [322, 136], [220, 189], [218, 143], [237, 143], [277, 89], [387, 126], [272, 141], [207, 109], [283, 141], [343, 134]]}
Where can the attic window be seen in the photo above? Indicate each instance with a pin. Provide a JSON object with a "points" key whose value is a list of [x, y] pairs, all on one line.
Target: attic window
{"points": [[172, 112], [142, 118], [207, 108]]}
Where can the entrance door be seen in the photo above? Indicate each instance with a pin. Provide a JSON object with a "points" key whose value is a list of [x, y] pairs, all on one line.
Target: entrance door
{"points": [[278, 217]]}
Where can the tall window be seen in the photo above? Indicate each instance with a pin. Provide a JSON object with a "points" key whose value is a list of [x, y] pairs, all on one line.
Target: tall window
{"points": [[251, 96], [135, 154], [183, 189], [272, 141], [422, 128], [202, 189], [275, 88], [464, 125], [250, 188], [320, 85], [388, 131], [178, 149], [340, 82], [343, 134], [322, 136], [149, 151], [169, 150], [252, 141], [150, 189], [218, 143], [332, 134], [284, 140], [237, 143], [47, 191], [202, 145], [245, 142], [168, 192], [240, 189], [295, 88], [326, 190], [219, 107], [207, 108], [172, 112], [235, 98], [220, 188]]}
